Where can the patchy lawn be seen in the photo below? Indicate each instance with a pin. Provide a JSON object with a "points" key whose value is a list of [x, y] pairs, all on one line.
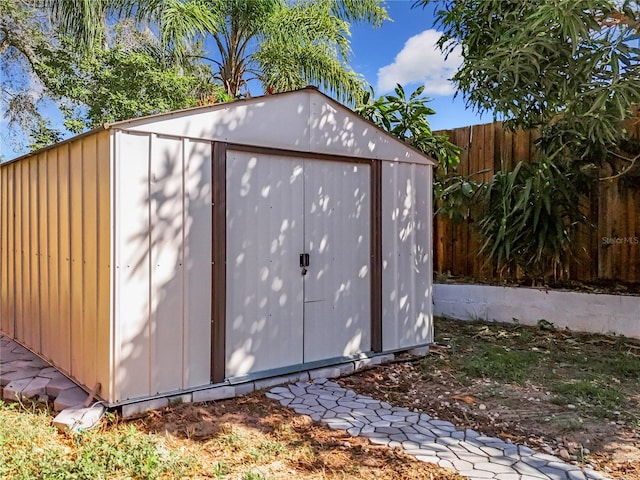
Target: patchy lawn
{"points": [[569, 394], [249, 438]]}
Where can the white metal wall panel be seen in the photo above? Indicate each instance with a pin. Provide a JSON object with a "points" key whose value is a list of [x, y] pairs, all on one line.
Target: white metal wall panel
{"points": [[264, 240], [162, 246], [406, 246], [304, 120], [337, 308], [334, 129], [278, 121], [132, 288], [166, 240], [197, 263]]}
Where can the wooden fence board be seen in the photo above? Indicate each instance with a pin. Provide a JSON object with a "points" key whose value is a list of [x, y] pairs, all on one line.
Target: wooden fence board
{"points": [[608, 251]]}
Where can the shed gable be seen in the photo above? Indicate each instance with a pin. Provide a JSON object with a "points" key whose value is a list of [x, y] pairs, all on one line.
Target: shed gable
{"points": [[304, 120]]}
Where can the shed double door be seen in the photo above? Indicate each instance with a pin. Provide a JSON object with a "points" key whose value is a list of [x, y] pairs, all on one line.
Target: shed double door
{"points": [[298, 261]]}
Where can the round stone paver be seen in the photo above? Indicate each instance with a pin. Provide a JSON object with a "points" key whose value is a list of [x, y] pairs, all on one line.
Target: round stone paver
{"points": [[428, 439]]}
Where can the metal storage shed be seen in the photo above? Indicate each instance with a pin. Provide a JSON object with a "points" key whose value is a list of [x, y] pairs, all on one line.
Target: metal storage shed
{"points": [[217, 245]]}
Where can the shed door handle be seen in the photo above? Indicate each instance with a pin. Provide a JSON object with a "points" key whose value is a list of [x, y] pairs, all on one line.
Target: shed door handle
{"points": [[304, 262]]}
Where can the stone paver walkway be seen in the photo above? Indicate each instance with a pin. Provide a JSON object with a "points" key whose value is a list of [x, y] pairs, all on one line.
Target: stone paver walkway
{"points": [[430, 440], [24, 375]]}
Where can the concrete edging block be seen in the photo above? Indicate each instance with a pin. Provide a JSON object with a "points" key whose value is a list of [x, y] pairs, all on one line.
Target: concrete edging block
{"points": [[327, 372], [215, 393], [132, 409]]}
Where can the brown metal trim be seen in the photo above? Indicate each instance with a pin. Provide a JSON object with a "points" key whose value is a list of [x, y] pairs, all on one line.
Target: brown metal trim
{"points": [[298, 154], [218, 259], [376, 256]]}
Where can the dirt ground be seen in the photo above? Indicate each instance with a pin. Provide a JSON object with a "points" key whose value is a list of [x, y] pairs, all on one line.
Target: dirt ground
{"points": [[599, 430], [255, 435], [517, 414]]}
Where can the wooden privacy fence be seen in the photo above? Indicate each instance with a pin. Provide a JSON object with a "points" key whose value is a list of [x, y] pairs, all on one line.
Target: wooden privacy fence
{"points": [[609, 251]]}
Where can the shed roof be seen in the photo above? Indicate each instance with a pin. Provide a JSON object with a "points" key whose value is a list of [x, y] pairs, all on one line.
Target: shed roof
{"points": [[303, 120]]}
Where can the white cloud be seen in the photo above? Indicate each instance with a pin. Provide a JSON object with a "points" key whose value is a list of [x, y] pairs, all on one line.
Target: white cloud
{"points": [[420, 61]]}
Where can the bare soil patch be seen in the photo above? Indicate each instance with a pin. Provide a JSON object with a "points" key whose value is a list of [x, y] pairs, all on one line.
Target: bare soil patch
{"points": [[254, 437], [568, 394]]}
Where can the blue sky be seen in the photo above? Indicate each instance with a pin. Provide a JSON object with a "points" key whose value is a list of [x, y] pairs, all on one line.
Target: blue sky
{"points": [[401, 51]]}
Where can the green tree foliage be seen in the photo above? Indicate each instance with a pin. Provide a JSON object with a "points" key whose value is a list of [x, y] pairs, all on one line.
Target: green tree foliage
{"points": [[529, 219], [21, 32], [569, 67], [117, 84], [127, 74], [407, 119], [282, 44], [67, 51]]}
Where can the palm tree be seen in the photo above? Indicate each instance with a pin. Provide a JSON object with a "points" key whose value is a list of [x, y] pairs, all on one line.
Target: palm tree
{"points": [[281, 44]]}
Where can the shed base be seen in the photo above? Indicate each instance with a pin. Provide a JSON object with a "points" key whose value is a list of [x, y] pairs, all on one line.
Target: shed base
{"points": [[236, 387]]}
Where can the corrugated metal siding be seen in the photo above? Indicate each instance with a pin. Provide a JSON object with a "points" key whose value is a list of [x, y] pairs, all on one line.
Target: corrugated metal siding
{"points": [[264, 285], [406, 247], [337, 288], [55, 260], [162, 241]]}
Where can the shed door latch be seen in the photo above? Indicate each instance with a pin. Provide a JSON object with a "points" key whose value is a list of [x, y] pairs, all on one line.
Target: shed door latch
{"points": [[304, 262]]}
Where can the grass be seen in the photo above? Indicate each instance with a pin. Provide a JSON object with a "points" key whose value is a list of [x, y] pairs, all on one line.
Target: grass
{"points": [[248, 438], [31, 448], [597, 373]]}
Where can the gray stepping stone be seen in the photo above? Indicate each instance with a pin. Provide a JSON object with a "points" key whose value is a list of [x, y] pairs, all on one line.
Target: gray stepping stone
{"points": [[577, 475], [492, 452], [526, 469], [492, 467], [430, 440], [19, 374], [471, 434], [476, 474], [49, 372], [36, 387], [535, 462], [462, 464], [398, 437], [389, 430], [445, 464], [524, 451], [13, 390], [428, 458], [554, 473], [69, 398], [505, 460], [420, 438], [593, 475], [57, 385], [567, 467]]}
